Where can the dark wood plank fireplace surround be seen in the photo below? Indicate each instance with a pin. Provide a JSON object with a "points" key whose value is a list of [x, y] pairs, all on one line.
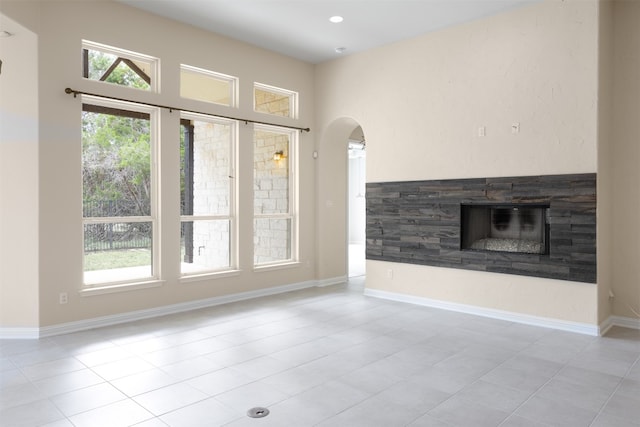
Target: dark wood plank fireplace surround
{"points": [[418, 222]]}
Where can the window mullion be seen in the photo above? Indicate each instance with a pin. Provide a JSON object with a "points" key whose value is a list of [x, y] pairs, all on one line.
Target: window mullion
{"points": [[116, 219]]}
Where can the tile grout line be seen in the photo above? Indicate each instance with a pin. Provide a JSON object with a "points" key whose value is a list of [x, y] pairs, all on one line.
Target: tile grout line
{"points": [[535, 392], [604, 405]]}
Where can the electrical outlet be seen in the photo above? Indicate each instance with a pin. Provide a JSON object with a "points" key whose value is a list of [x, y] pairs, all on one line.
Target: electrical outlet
{"points": [[389, 274], [63, 298]]}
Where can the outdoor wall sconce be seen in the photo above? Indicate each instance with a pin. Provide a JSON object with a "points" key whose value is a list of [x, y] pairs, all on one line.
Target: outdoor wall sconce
{"points": [[278, 155]]}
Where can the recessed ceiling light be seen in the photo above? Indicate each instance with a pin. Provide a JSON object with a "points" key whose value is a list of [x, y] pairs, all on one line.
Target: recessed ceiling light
{"points": [[336, 19], [340, 49]]}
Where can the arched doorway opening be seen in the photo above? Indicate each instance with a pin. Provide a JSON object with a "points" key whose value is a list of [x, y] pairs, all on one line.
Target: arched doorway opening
{"points": [[356, 205], [332, 187]]}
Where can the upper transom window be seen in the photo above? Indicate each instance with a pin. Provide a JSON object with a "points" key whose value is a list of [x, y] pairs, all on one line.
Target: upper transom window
{"points": [[275, 101], [118, 66], [209, 86]]}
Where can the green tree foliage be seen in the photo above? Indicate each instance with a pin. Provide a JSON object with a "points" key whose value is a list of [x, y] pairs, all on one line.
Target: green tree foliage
{"points": [[116, 171], [122, 74], [116, 150]]}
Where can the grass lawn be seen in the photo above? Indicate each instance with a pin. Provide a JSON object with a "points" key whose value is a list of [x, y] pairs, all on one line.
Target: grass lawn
{"points": [[105, 260]]}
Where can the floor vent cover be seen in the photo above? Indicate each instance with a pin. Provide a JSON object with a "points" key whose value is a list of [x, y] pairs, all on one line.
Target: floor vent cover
{"points": [[258, 412]]}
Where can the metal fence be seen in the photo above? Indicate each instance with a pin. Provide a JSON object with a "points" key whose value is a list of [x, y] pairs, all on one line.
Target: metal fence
{"points": [[123, 235], [117, 207]]}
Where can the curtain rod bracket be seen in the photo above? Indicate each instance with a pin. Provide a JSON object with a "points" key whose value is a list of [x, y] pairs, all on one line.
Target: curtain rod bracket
{"points": [[71, 91]]}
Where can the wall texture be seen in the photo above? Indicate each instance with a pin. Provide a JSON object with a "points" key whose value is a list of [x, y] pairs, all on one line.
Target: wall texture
{"points": [[421, 102], [605, 206], [19, 154], [625, 151]]}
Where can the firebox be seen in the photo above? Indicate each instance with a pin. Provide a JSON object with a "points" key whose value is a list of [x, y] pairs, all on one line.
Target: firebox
{"points": [[519, 228]]}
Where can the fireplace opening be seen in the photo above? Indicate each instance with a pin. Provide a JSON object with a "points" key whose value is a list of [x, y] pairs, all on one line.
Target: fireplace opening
{"points": [[520, 228]]}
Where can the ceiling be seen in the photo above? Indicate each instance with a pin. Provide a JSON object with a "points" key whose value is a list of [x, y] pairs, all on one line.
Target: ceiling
{"points": [[301, 28]]}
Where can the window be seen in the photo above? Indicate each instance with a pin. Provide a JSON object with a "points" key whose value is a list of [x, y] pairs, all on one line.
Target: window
{"points": [[119, 191], [207, 194], [118, 66], [204, 85], [275, 101], [274, 201]]}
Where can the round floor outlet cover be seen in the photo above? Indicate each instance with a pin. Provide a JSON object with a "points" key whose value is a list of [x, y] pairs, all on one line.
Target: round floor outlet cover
{"points": [[258, 412]]}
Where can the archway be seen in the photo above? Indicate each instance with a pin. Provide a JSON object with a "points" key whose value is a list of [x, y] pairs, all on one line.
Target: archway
{"points": [[333, 199], [357, 204]]}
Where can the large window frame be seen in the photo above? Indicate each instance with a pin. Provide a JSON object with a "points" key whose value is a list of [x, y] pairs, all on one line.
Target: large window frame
{"points": [[109, 106], [292, 213], [231, 216]]}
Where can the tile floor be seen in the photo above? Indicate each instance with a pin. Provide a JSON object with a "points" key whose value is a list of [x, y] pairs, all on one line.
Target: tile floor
{"points": [[322, 357]]}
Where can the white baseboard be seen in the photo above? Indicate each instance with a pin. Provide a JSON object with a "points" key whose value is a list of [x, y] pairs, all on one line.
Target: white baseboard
{"points": [[624, 322], [563, 325], [98, 322], [19, 333], [332, 281], [64, 328], [606, 325]]}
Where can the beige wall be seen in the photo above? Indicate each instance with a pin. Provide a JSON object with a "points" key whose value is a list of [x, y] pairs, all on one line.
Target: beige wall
{"points": [[18, 177], [604, 189], [420, 102], [56, 179], [332, 199], [626, 158], [427, 97]]}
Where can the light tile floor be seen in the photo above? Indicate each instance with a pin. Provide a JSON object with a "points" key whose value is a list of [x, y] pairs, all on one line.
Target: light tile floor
{"points": [[326, 357]]}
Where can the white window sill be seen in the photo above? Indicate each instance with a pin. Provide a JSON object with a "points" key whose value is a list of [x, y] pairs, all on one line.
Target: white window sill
{"points": [[119, 287], [207, 276], [282, 266]]}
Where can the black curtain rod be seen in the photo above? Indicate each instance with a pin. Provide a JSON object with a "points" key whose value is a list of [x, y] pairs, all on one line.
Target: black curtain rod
{"points": [[75, 93]]}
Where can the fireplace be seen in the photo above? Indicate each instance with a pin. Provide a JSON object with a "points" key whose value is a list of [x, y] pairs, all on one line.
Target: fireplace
{"points": [[516, 228], [421, 222]]}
